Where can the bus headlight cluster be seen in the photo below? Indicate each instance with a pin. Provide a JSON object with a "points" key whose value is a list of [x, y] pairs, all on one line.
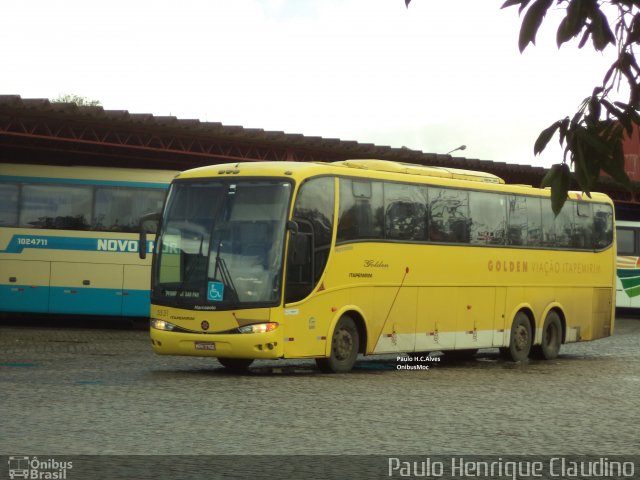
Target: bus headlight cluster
{"points": [[259, 328], [162, 325]]}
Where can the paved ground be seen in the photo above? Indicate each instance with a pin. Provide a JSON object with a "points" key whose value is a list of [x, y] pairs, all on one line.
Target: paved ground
{"points": [[102, 391]]}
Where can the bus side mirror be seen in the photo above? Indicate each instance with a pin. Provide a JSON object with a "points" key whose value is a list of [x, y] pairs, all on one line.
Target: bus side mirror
{"points": [[148, 224], [142, 245]]}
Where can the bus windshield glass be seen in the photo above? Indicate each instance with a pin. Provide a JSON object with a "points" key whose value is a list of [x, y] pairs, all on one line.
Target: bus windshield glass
{"points": [[221, 244]]}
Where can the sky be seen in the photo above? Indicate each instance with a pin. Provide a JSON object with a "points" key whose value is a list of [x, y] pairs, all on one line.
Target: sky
{"points": [[430, 77]]}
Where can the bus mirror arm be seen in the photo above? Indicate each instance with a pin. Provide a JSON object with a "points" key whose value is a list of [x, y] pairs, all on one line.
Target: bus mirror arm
{"points": [[147, 223], [292, 226]]}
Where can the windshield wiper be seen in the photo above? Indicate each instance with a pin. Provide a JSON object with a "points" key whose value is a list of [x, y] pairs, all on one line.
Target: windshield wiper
{"points": [[225, 275]]}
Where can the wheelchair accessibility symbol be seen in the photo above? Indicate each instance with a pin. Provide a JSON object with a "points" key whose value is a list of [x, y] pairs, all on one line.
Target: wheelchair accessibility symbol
{"points": [[215, 292]]}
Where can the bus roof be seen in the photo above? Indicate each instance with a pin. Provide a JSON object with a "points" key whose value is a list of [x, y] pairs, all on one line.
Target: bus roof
{"points": [[427, 171], [380, 170]]}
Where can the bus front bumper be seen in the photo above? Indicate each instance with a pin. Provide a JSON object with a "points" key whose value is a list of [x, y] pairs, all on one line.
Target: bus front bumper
{"points": [[266, 345]]}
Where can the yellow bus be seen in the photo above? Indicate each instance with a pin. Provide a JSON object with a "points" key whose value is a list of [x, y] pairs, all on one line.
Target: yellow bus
{"points": [[328, 261], [69, 238]]}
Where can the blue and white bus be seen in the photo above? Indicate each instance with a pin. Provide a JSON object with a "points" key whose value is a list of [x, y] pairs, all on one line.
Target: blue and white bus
{"points": [[69, 238]]}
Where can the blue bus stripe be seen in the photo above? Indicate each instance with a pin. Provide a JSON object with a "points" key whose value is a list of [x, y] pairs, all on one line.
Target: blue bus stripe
{"points": [[83, 301], [86, 244]]}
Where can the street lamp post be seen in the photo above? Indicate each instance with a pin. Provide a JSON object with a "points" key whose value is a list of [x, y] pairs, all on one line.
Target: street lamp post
{"points": [[461, 147]]}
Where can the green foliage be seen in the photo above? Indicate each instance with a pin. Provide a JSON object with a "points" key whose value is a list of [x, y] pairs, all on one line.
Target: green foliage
{"points": [[558, 178], [77, 99], [592, 137]]}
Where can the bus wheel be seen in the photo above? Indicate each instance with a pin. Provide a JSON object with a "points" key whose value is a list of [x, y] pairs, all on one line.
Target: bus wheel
{"points": [[235, 364], [551, 338], [344, 348], [520, 343]]}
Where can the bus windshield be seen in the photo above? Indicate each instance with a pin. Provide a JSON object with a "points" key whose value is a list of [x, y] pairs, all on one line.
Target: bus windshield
{"points": [[221, 244]]}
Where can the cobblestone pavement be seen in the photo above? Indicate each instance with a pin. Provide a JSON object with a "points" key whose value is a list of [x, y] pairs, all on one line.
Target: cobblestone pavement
{"points": [[70, 391]]}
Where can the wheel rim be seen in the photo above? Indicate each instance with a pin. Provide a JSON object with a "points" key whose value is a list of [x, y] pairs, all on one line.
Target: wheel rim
{"points": [[521, 338], [342, 344]]}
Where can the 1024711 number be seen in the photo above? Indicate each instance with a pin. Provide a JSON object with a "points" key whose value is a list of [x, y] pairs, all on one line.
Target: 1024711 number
{"points": [[35, 242]]}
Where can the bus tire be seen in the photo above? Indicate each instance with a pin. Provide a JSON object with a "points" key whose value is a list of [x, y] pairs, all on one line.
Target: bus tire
{"points": [[521, 340], [551, 338], [345, 343], [235, 364]]}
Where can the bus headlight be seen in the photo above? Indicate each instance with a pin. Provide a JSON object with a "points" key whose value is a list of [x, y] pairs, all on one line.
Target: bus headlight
{"points": [[162, 325], [258, 328]]}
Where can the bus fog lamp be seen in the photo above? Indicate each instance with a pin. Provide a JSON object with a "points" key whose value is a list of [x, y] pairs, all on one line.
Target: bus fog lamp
{"points": [[258, 328]]}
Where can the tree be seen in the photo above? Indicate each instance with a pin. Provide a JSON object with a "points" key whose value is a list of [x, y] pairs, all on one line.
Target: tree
{"points": [[77, 99], [592, 137]]}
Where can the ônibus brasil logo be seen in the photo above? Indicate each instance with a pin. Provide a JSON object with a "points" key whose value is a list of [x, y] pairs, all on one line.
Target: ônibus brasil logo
{"points": [[41, 469]]}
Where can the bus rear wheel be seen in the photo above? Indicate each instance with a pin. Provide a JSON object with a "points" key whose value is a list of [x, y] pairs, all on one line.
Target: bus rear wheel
{"points": [[521, 340], [345, 343], [235, 364], [551, 338]]}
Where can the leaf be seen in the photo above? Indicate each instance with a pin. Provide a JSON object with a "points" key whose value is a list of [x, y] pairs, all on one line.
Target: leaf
{"points": [[544, 137], [601, 34], [594, 108], [610, 108], [531, 23], [607, 75], [571, 25], [511, 3], [559, 180], [593, 140], [564, 129], [583, 175], [547, 180], [585, 37], [407, 2], [614, 166]]}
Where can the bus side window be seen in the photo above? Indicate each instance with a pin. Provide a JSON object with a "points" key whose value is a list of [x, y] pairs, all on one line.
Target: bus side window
{"points": [[582, 237], [361, 210], [56, 207], [602, 226], [625, 241], [119, 209], [405, 216], [8, 205], [488, 218], [448, 215]]}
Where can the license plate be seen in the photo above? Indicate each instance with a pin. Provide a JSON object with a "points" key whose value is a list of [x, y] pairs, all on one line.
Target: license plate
{"points": [[205, 346]]}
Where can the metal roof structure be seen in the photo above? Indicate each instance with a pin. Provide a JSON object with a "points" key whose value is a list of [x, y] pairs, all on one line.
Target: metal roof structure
{"points": [[40, 131]]}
